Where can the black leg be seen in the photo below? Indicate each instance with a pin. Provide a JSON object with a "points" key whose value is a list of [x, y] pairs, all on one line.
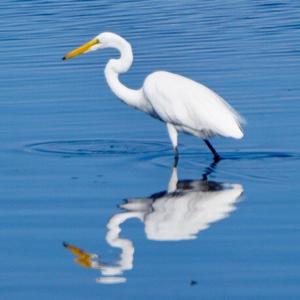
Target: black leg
{"points": [[209, 170], [217, 157]]}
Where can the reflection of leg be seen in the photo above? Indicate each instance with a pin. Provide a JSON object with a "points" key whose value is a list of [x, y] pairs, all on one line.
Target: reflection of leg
{"points": [[217, 157], [176, 157], [210, 169], [172, 186]]}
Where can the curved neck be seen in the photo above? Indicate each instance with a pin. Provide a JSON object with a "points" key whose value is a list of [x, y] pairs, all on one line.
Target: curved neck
{"points": [[114, 67]]}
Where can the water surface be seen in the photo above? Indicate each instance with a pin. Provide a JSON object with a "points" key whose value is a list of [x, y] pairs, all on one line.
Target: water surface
{"points": [[80, 167]]}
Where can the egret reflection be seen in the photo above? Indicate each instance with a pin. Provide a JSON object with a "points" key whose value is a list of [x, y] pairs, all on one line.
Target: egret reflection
{"points": [[179, 213]]}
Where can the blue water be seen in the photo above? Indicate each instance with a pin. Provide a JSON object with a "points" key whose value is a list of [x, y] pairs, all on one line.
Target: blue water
{"points": [[78, 166]]}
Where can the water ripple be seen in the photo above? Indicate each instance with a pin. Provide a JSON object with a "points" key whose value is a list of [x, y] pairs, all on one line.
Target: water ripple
{"points": [[97, 147]]}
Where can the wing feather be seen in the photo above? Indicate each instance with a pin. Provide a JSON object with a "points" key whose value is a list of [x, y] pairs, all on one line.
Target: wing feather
{"points": [[188, 104]]}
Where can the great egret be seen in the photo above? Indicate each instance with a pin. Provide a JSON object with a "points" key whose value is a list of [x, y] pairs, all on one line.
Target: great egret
{"points": [[183, 104]]}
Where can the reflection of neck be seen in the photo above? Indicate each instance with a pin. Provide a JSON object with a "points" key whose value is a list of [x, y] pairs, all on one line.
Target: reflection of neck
{"points": [[127, 250]]}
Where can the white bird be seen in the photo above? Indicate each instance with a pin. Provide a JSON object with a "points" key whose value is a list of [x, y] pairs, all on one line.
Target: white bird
{"points": [[183, 104]]}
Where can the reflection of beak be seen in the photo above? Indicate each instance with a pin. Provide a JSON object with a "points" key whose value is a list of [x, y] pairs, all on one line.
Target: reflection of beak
{"points": [[82, 49], [83, 258]]}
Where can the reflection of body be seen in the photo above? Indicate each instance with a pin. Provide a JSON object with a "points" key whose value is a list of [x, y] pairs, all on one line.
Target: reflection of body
{"points": [[186, 208], [180, 213]]}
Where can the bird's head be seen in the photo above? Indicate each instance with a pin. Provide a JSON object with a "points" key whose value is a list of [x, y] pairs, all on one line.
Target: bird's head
{"points": [[101, 41]]}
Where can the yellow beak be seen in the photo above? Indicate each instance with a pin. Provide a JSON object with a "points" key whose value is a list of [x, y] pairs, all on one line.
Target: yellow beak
{"points": [[82, 49]]}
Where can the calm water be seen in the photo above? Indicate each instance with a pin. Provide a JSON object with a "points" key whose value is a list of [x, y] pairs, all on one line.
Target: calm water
{"points": [[78, 166]]}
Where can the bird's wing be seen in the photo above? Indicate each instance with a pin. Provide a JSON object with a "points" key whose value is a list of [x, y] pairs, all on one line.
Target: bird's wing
{"points": [[186, 103]]}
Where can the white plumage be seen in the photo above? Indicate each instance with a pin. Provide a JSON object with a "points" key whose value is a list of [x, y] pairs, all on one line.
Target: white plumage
{"points": [[190, 106], [183, 104]]}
